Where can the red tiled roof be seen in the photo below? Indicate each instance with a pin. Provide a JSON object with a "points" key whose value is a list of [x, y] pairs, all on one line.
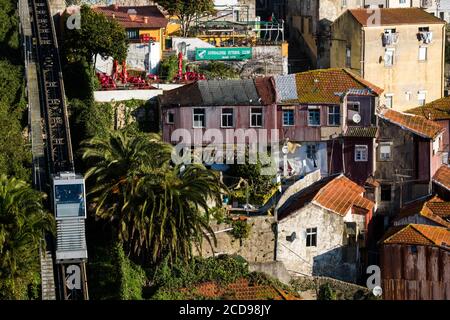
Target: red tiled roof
{"points": [[423, 208], [341, 194], [418, 234], [337, 194], [441, 209], [416, 124], [395, 16], [155, 18], [442, 176], [436, 110], [241, 289], [326, 85]]}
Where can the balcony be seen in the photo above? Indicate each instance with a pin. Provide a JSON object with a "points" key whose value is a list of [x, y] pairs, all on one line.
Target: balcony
{"points": [[425, 36], [426, 3], [389, 39]]}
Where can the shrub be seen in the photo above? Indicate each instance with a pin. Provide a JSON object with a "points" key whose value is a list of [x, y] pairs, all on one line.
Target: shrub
{"points": [[326, 293]]}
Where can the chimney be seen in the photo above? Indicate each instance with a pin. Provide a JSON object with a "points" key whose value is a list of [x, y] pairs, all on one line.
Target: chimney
{"points": [[132, 14], [113, 16], [145, 20]]}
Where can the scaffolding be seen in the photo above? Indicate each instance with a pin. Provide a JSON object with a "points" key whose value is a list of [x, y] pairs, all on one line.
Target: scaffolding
{"points": [[232, 26]]}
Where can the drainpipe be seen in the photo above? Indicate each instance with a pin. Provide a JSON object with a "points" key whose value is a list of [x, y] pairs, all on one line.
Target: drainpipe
{"points": [[444, 37], [362, 51]]}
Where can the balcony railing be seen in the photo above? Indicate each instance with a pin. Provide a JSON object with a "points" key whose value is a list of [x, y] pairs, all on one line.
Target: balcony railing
{"points": [[389, 39]]}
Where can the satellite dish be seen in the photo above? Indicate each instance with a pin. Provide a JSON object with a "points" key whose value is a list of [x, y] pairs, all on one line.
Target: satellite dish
{"points": [[356, 118]]}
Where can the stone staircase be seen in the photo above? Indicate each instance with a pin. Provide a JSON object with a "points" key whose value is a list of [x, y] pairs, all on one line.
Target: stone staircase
{"points": [[47, 275]]}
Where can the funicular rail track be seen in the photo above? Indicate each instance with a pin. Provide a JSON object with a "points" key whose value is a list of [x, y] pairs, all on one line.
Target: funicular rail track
{"points": [[66, 188]]}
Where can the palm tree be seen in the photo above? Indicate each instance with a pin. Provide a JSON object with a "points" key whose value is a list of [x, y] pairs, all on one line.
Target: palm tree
{"points": [[157, 209], [23, 222]]}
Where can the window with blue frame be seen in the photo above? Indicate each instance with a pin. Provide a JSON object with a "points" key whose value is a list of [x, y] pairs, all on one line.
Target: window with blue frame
{"points": [[132, 34], [288, 117], [314, 117]]}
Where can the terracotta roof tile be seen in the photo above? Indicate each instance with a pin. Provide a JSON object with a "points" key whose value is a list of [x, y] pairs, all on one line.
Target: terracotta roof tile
{"points": [[418, 234], [442, 176], [396, 16], [326, 85], [423, 207], [156, 18], [341, 194], [241, 289], [338, 194], [441, 209], [366, 132], [435, 110], [416, 124]]}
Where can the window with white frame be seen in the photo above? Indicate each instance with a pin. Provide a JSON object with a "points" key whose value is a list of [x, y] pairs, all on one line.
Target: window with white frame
{"points": [[288, 117], [311, 237], [334, 115], [256, 117], [421, 97], [170, 117], [385, 151], [227, 120], [352, 109], [361, 153], [199, 120], [344, 3], [402, 1], [313, 116], [389, 100], [422, 53], [389, 57]]}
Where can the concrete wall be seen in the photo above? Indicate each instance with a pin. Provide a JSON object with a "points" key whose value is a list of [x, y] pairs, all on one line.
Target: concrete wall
{"points": [[301, 184], [122, 95], [258, 247], [274, 269], [325, 259]]}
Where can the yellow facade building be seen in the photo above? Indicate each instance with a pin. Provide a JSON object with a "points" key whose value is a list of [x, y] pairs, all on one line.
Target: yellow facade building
{"points": [[400, 50]]}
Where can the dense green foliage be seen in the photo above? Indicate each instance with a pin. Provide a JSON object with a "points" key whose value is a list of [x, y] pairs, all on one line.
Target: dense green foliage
{"points": [[98, 35], [15, 155], [187, 11], [241, 229], [132, 277], [326, 292], [168, 68], [168, 279], [156, 209], [218, 70], [255, 186], [23, 221]]}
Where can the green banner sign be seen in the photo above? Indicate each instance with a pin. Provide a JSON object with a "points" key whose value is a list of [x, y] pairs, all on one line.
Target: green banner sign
{"points": [[223, 53]]}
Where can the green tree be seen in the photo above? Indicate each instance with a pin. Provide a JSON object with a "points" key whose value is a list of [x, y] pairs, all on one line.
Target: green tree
{"points": [[187, 11], [98, 35], [23, 222], [157, 209]]}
